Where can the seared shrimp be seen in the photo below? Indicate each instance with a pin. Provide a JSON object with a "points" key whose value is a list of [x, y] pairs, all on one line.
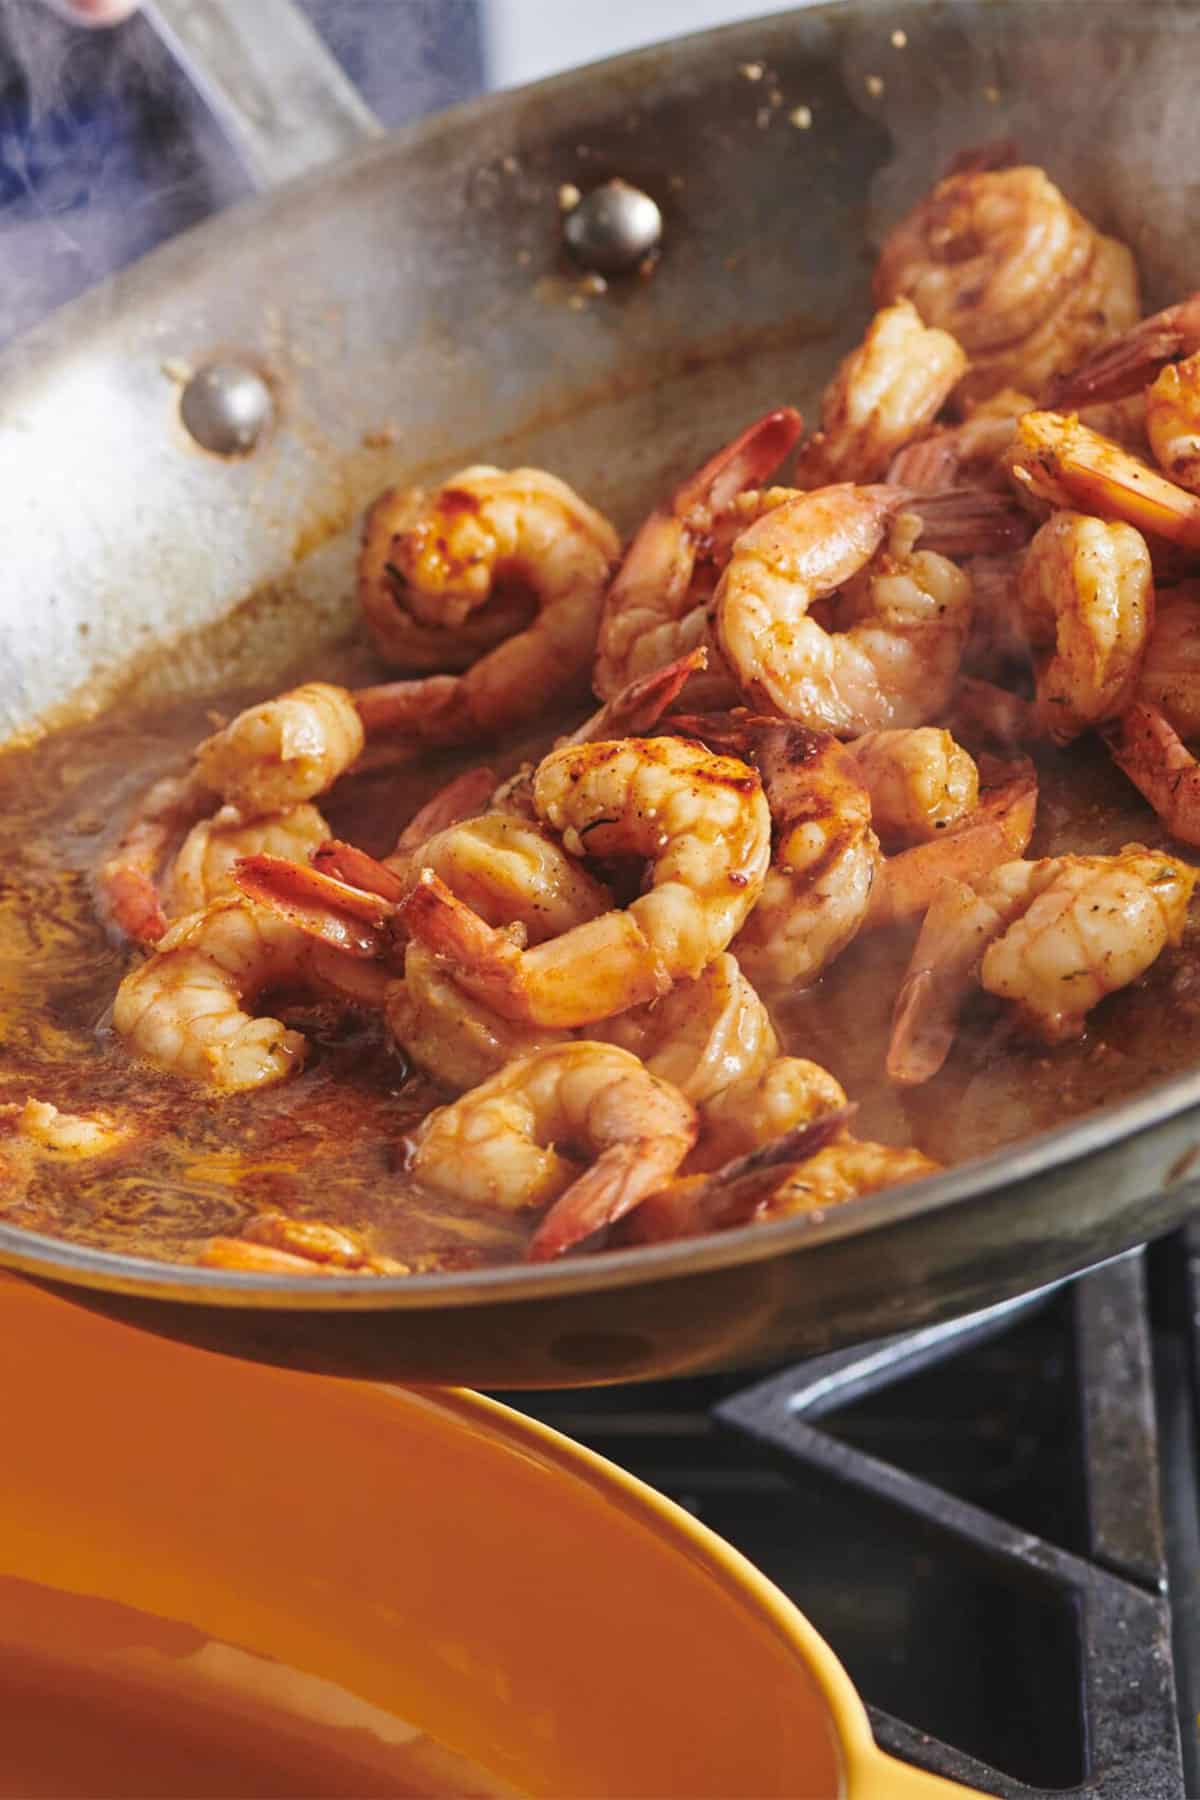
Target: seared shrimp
{"points": [[883, 395], [1086, 589], [1173, 422], [456, 1039], [813, 1168], [497, 1146], [789, 1091], [996, 829], [284, 751], [205, 864], [1001, 260], [824, 858], [701, 821], [1057, 458], [703, 1036], [423, 633], [650, 616], [896, 665], [184, 1009], [488, 526], [275, 1243], [125, 882], [919, 781], [1054, 937]]}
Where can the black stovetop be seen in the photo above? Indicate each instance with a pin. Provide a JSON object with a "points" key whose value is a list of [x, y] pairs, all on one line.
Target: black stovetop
{"points": [[994, 1524]]}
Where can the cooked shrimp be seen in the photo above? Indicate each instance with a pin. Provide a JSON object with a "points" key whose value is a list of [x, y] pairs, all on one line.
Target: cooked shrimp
{"points": [[703, 1036], [1054, 937], [316, 1247], [456, 1039], [702, 822], [78, 1135], [1086, 589], [499, 1145], [825, 855], [1150, 751], [184, 1009], [650, 615], [997, 829], [1133, 361], [883, 395], [802, 1176], [1001, 260], [284, 751], [895, 666], [920, 782], [1058, 459], [407, 627], [789, 1091], [1173, 422], [1170, 677], [204, 866], [488, 526]]}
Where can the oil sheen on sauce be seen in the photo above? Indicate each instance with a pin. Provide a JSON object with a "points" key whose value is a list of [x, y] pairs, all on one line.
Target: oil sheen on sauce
{"points": [[329, 1143]]}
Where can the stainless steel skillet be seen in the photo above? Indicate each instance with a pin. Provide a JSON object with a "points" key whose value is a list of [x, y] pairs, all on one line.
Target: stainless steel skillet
{"points": [[409, 309]]}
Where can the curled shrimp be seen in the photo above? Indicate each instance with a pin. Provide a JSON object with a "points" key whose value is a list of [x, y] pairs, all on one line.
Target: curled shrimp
{"points": [[883, 395], [1053, 937], [996, 830], [414, 630], [702, 1037], [824, 856], [1002, 261], [920, 782], [283, 751], [185, 1008], [1146, 746], [489, 526], [700, 820], [498, 1146], [1173, 421], [815, 1167], [1086, 589], [1056, 457], [895, 665], [264, 765], [650, 615], [204, 866], [785, 1093], [1131, 361]]}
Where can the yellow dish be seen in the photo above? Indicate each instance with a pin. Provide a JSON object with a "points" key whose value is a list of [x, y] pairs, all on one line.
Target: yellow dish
{"points": [[213, 1573]]}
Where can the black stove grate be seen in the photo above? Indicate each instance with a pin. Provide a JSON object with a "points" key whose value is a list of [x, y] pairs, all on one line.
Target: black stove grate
{"points": [[993, 1523]]}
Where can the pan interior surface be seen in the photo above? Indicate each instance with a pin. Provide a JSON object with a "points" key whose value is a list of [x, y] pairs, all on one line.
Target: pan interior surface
{"points": [[454, 336]]}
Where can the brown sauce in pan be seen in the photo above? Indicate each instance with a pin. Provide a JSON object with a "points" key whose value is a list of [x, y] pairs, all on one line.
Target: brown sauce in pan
{"points": [[327, 1144]]}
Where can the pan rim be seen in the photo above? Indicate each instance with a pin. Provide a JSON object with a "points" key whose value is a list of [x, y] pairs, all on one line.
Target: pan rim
{"points": [[1055, 1150]]}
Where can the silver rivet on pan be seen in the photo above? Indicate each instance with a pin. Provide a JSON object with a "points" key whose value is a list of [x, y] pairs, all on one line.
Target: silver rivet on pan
{"points": [[613, 228], [226, 407]]}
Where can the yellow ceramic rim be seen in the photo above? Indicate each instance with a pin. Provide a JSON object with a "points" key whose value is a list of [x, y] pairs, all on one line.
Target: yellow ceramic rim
{"points": [[851, 1727]]}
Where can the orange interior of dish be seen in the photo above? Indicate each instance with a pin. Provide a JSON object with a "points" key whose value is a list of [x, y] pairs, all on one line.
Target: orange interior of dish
{"points": [[433, 1556]]}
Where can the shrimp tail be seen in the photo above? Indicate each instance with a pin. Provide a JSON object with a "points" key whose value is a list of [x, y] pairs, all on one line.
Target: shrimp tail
{"points": [[997, 831], [430, 711], [348, 864], [1148, 749], [945, 964], [618, 1181], [131, 903], [638, 708], [346, 917], [745, 463], [1132, 362], [966, 522]]}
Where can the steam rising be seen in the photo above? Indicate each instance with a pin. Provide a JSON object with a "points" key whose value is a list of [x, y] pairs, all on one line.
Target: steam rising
{"points": [[105, 151]]}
